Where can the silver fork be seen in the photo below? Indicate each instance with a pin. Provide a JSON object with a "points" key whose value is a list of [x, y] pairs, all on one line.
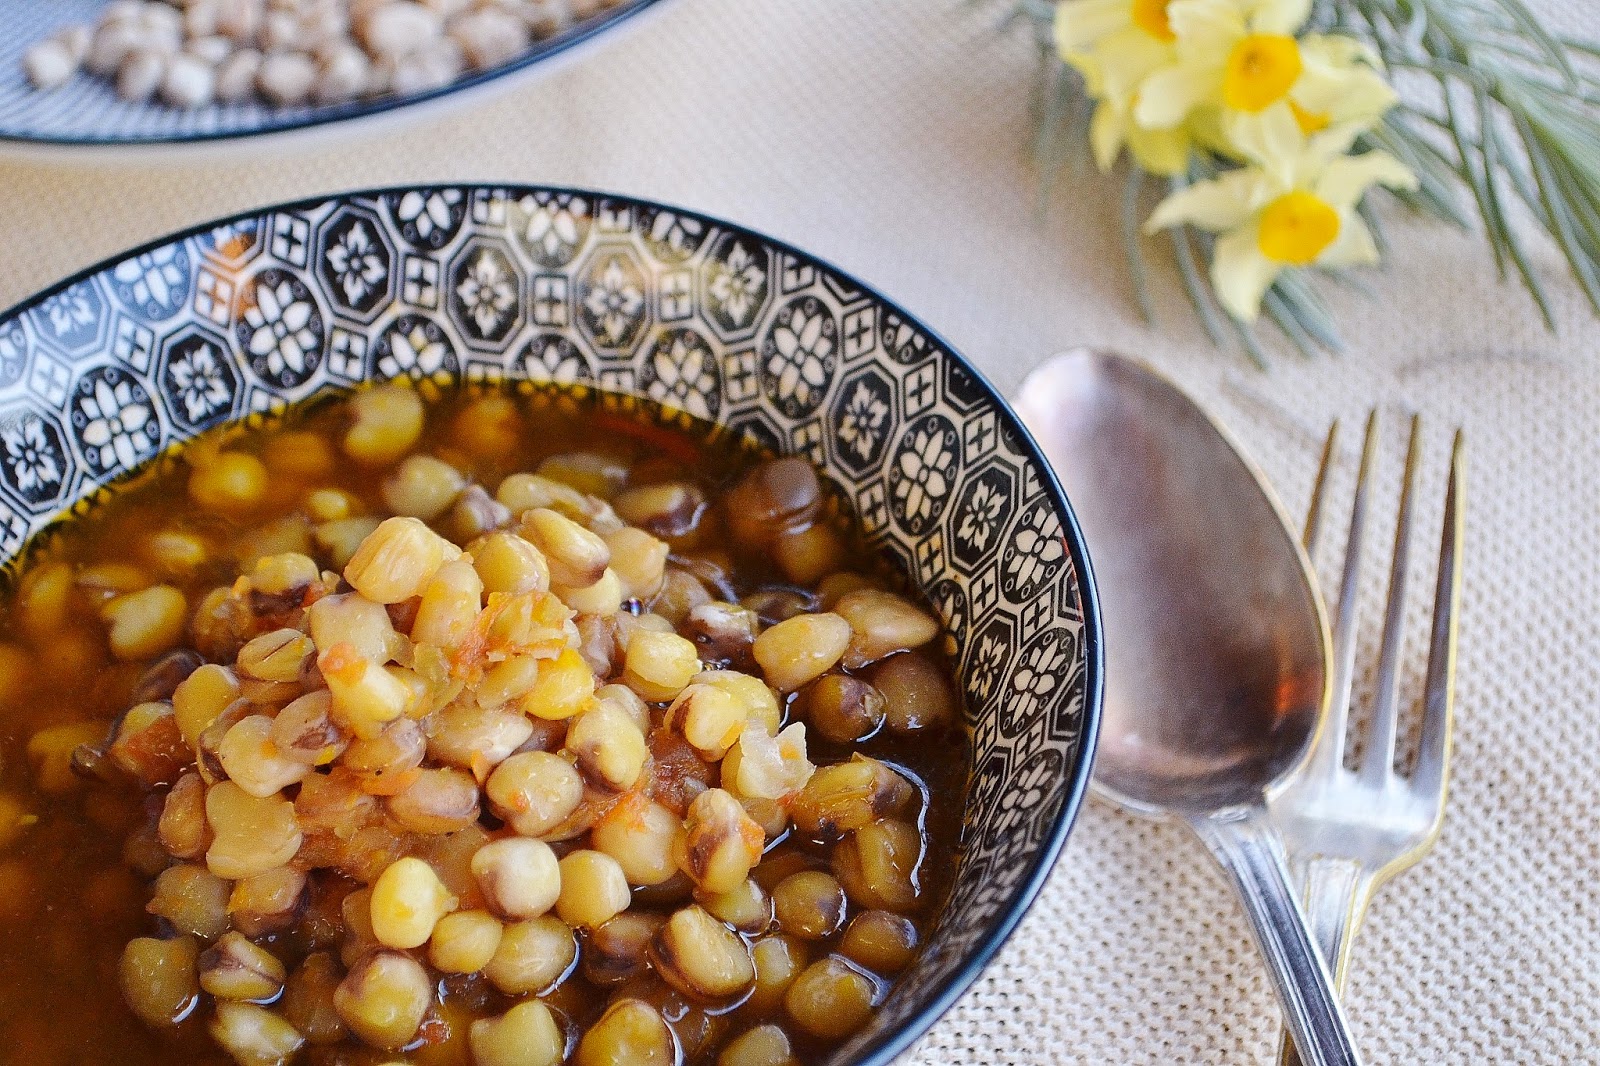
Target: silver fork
{"points": [[1349, 831]]}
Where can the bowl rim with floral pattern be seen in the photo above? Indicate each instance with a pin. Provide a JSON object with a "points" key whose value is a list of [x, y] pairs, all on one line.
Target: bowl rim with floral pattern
{"points": [[110, 312]]}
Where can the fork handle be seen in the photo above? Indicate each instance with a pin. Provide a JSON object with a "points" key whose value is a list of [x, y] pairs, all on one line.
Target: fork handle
{"points": [[1251, 853], [1335, 896]]}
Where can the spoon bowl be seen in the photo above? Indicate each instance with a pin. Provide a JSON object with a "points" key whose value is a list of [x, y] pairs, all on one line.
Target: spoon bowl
{"points": [[1217, 645], [1216, 680]]}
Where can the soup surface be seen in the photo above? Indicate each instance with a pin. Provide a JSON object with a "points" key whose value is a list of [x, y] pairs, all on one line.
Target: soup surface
{"points": [[465, 731]]}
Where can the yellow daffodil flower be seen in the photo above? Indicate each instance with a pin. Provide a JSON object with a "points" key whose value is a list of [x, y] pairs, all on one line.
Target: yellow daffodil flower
{"points": [[1116, 45], [1237, 60], [1292, 205]]}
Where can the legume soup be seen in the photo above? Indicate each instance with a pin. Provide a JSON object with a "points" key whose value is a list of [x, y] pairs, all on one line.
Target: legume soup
{"points": [[465, 730]]}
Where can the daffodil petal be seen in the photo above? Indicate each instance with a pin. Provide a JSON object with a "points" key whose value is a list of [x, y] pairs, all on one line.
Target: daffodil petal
{"points": [[1337, 50], [1240, 274], [1270, 139], [1353, 247], [1279, 16], [1127, 57], [1206, 28], [1168, 95], [1105, 134], [1081, 23], [1222, 203], [1345, 180], [1164, 152]]}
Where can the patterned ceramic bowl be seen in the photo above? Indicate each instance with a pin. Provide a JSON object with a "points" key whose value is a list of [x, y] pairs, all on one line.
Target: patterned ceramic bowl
{"points": [[86, 118], [616, 300]]}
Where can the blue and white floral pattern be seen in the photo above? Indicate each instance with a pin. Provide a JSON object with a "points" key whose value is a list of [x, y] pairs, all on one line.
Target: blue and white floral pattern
{"points": [[579, 297], [279, 327]]}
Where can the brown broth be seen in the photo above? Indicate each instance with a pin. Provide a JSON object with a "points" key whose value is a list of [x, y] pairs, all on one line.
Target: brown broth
{"points": [[69, 901]]}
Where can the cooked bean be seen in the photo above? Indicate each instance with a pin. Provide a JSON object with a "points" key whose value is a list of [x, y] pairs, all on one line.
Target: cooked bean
{"points": [[408, 900], [603, 598], [385, 761], [830, 998], [298, 454], [884, 943], [366, 697], [801, 649], [765, 1045], [532, 956], [145, 623], [305, 731], [808, 552], [254, 1035], [760, 766], [746, 907], [252, 833], [842, 708], [670, 511], [639, 560], [759, 701], [525, 1035], [882, 624], [624, 699], [350, 618], [723, 632], [680, 593], [710, 717], [201, 697], [267, 902], [777, 495], [577, 557], [308, 999], [235, 968], [917, 694], [511, 565], [253, 761], [534, 791], [849, 795], [159, 980], [183, 828], [438, 801], [162, 678], [630, 1032], [384, 999], [464, 941], [564, 687], [774, 605], [475, 513], [449, 606], [341, 537], [397, 560], [593, 889], [658, 665], [700, 956], [50, 751], [519, 877], [809, 905], [609, 747], [472, 738], [422, 487], [878, 864], [639, 834], [193, 899], [388, 421], [618, 951], [232, 483], [720, 842]]}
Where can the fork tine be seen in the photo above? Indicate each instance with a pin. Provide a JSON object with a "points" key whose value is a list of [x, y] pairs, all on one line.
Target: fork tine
{"points": [[1314, 509], [1429, 777], [1329, 753], [1378, 763]]}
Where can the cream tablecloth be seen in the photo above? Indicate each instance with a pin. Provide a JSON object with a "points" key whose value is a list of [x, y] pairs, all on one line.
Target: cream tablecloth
{"points": [[890, 138]]}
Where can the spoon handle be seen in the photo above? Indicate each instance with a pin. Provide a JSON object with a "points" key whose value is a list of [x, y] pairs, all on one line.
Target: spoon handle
{"points": [[1250, 852]]}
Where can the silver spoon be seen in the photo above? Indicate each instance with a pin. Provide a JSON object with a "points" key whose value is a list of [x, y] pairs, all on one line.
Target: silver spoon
{"points": [[1217, 646]]}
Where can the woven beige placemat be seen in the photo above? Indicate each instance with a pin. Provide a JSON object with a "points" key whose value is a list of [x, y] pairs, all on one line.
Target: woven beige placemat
{"points": [[890, 137]]}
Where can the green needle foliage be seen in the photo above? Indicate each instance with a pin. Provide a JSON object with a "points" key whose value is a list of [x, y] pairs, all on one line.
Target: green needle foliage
{"points": [[1500, 121]]}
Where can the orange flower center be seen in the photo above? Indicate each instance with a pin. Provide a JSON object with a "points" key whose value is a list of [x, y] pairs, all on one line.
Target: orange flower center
{"points": [[1151, 17], [1261, 69], [1296, 228]]}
